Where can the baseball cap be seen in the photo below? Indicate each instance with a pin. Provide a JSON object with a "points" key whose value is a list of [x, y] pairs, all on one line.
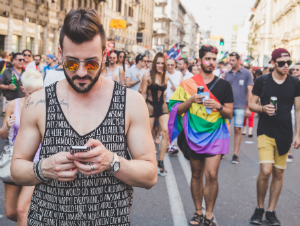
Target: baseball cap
{"points": [[278, 53], [51, 56]]}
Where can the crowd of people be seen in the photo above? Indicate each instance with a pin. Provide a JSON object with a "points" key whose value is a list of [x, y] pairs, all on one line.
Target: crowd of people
{"points": [[182, 105]]}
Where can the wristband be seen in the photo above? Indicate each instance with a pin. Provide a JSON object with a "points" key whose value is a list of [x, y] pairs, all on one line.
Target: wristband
{"points": [[37, 168], [6, 128]]}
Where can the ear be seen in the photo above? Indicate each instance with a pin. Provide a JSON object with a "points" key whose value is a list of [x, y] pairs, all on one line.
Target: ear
{"points": [[104, 56], [273, 63], [199, 60], [22, 88]]}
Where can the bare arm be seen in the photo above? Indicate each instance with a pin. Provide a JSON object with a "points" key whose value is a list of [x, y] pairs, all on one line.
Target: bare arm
{"points": [[8, 113], [296, 142], [141, 170], [115, 77], [129, 83], [144, 85], [253, 106], [122, 75]]}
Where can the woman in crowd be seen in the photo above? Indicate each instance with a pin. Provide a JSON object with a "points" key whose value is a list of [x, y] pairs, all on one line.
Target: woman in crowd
{"points": [[193, 68], [17, 198], [154, 85], [121, 60]]}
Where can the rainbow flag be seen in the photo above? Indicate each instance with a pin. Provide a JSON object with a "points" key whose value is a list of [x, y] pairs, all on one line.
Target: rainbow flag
{"points": [[3, 69], [205, 134]]}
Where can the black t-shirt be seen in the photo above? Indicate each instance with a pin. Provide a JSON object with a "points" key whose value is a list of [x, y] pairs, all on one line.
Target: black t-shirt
{"points": [[8, 65], [222, 90], [278, 126]]}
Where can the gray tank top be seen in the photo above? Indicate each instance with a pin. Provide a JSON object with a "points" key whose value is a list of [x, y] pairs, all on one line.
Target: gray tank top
{"points": [[99, 199]]}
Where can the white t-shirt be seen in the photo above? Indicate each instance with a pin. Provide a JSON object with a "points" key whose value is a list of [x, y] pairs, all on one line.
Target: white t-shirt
{"points": [[53, 76], [217, 72], [175, 80], [187, 75], [132, 73]]}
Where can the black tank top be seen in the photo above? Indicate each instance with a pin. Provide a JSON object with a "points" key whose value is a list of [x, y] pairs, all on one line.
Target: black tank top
{"points": [[101, 199]]}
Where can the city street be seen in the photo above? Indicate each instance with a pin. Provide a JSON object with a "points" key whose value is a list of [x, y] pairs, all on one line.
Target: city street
{"points": [[169, 202]]}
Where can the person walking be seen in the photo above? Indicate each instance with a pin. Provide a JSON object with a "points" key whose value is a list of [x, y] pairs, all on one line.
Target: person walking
{"points": [[183, 65], [113, 68], [85, 111], [121, 60], [17, 198], [50, 61], [242, 83], [27, 54], [201, 136], [277, 91], [153, 88]]}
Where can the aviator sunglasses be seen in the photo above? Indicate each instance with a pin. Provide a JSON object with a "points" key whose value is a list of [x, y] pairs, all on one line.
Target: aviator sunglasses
{"points": [[73, 65], [282, 63]]}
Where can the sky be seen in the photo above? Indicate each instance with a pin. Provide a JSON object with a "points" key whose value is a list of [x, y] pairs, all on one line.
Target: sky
{"points": [[219, 16]]}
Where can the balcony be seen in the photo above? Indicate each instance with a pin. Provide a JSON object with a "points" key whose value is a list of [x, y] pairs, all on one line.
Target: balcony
{"points": [[141, 26], [160, 32], [160, 16], [161, 2], [129, 20]]}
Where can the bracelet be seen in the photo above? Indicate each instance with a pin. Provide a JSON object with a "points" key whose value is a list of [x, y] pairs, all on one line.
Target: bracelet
{"points": [[5, 129], [37, 168], [262, 108]]}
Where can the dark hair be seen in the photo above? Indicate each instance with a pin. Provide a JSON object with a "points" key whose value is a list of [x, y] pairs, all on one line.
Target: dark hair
{"points": [[185, 61], [222, 62], [258, 73], [26, 50], [154, 71], [16, 54], [290, 71], [123, 60], [266, 68], [38, 56], [139, 57], [237, 56], [191, 67], [81, 25], [207, 49], [271, 69]]}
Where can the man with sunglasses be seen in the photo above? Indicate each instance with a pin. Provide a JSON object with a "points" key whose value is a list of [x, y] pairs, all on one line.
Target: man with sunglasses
{"points": [[242, 83], [12, 92], [27, 57], [50, 60], [296, 70], [114, 68], [274, 131], [134, 75]]}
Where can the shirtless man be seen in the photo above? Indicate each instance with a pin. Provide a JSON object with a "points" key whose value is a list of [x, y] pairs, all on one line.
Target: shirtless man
{"points": [[92, 187]]}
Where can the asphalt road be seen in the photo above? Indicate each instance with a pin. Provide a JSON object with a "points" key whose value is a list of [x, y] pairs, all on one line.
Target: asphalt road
{"points": [[169, 202]]}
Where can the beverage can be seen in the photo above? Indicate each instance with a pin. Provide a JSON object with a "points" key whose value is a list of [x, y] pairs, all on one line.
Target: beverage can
{"points": [[200, 89], [273, 101]]}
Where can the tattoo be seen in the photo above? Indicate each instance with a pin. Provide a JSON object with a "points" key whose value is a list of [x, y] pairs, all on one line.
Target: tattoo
{"points": [[63, 103], [29, 103], [41, 101]]}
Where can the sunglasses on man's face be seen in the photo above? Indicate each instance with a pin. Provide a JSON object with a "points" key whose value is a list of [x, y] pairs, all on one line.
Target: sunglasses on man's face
{"points": [[121, 56], [20, 60], [25, 55], [295, 69], [282, 63], [149, 61], [171, 65], [111, 57], [73, 65]]}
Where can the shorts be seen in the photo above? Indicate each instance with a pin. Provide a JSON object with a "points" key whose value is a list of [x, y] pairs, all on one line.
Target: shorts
{"points": [[268, 152], [238, 115], [11, 183]]}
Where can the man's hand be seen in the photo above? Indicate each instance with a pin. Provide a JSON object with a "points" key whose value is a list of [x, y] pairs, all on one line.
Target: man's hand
{"points": [[296, 142], [269, 109], [196, 99], [58, 167], [11, 86], [211, 103], [173, 88], [248, 113], [139, 77], [99, 157]]}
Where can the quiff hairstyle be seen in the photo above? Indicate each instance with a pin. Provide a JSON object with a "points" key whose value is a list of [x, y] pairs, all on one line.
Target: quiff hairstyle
{"points": [[82, 25]]}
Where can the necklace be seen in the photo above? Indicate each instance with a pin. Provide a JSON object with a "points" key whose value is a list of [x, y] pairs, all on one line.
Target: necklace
{"points": [[80, 206]]}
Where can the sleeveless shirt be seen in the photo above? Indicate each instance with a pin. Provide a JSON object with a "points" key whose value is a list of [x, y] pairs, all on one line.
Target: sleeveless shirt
{"points": [[102, 198]]}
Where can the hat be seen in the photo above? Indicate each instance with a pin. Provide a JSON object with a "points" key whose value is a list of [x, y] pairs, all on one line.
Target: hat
{"points": [[51, 56], [278, 53]]}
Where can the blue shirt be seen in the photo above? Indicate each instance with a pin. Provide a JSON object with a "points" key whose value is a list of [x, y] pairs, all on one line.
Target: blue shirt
{"points": [[47, 68]]}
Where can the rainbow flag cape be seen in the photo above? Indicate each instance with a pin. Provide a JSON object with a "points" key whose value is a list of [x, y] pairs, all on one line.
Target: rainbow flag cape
{"points": [[3, 69], [205, 134]]}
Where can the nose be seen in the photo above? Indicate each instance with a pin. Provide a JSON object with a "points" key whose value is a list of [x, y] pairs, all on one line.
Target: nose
{"points": [[81, 71]]}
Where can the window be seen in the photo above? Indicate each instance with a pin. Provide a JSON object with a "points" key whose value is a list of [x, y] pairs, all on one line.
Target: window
{"points": [[130, 11], [125, 9], [29, 43], [61, 5], [119, 6], [79, 3], [15, 46]]}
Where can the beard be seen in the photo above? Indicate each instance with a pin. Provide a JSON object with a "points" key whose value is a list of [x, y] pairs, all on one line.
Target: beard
{"points": [[81, 88], [207, 71]]}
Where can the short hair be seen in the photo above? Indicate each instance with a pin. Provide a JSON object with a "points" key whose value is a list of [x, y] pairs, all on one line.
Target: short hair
{"points": [[139, 57], [16, 54], [222, 62], [237, 56], [32, 80], [172, 59], [207, 49], [4, 54], [258, 73], [185, 61], [191, 67], [38, 56], [81, 25], [26, 50]]}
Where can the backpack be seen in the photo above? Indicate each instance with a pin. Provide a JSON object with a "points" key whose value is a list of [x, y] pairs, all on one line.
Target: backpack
{"points": [[265, 78]]}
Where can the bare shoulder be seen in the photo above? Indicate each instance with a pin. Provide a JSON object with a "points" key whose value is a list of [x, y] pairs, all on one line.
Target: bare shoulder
{"points": [[35, 102], [135, 105]]}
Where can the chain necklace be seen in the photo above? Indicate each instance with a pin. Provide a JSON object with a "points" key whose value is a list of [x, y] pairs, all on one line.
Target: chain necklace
{"points": [[80, 207]]}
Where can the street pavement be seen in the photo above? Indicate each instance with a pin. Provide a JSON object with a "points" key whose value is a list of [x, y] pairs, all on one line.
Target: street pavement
{"points": [[170, 203]]}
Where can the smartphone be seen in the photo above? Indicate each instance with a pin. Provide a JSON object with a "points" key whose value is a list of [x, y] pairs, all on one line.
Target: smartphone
{"points": [[76, 149]]}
